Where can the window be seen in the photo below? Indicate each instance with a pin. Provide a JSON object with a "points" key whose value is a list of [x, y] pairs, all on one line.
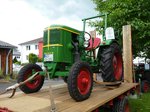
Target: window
{"points": [[28, 47], [55, 37], [18, 57], [36, 47], [27, 57]]}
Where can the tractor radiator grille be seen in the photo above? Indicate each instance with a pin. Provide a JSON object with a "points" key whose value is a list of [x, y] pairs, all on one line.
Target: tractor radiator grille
{"points": [[52, 37]]}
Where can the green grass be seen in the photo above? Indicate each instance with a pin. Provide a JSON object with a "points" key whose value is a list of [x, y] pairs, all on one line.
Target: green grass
{"points": [[141, 104]]}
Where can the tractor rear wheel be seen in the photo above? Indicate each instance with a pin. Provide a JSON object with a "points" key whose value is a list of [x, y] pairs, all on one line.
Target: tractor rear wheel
{"points": [[80, 81], [33, 85], [111, 63]]}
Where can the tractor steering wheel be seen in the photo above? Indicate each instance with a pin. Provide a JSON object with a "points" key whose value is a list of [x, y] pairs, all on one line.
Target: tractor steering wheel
{"points": [[87, 38]]}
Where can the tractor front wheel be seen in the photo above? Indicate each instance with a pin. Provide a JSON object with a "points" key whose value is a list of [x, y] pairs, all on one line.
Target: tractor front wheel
{"points": [[33, 85], [111, 63], [80, 81]]}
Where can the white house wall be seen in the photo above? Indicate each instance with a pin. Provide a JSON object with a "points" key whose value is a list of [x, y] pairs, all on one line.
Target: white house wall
{"points": [[25, 52]]}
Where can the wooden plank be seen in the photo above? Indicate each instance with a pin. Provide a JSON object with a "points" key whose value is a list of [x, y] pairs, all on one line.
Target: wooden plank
{"points": [[39, 102], [99, 97], [127, 54]]}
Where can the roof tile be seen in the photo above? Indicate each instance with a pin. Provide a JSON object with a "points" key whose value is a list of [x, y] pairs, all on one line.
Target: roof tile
{"points": [[32, 41], [6, 45]]}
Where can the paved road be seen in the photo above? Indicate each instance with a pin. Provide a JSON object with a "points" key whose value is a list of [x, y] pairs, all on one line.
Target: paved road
{"points": [[4, 85]]}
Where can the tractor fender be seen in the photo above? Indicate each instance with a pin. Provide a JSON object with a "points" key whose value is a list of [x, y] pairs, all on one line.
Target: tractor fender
{"points": [[108, 42], [105, 44]]}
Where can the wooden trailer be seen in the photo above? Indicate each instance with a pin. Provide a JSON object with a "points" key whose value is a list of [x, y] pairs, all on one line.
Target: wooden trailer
{"points": [[40, 101]]}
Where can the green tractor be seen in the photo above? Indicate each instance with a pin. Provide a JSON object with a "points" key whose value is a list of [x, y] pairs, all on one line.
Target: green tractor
{"points": [[67, 53]]}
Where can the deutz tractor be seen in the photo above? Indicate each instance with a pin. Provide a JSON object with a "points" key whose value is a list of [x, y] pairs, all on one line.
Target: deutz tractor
{"points": [[69, 54]]}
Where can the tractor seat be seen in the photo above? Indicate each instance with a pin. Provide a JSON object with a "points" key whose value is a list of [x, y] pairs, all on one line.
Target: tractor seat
{"points": [[96, 43]]}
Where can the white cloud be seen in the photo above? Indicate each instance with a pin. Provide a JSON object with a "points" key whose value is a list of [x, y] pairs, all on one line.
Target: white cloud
{"points": [[19, 22], [24, 20]]}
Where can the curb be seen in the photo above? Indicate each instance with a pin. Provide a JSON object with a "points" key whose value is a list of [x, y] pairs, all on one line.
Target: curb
{"points": [[4, 81]]}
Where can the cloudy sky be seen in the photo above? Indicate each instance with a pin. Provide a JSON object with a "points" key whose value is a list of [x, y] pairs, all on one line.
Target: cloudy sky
{"points": [[24, 20]]}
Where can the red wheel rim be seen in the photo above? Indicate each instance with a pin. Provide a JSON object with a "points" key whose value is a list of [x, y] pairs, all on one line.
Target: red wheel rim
{"points": [[117, 66], [84, 81], [146, 87], [127, 109], [33, 84]]}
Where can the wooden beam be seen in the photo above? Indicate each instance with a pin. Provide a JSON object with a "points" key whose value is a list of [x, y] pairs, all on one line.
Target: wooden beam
{"points": [[127, 54]]}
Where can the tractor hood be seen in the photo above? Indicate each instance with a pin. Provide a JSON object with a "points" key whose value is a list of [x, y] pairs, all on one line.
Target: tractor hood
{"points": [[63, 27]]}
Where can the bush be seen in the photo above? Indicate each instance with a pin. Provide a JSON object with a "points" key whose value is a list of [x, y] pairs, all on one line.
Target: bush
{"points": [[1, 74], [33, 58], [15, 60], [39, 59], [18, 62], [15, 75]]}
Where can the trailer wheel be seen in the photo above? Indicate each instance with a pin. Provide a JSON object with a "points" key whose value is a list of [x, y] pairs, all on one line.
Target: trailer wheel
{"points": [[33, 85], [80, 81], [121, 105], [111, 63], [145, 86]]}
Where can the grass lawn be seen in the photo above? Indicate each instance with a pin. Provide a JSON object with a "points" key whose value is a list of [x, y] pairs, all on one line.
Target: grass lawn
{"points": [[141, 104]]}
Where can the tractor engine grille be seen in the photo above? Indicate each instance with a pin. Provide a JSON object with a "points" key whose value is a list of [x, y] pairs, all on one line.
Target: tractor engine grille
{"points": [[52, 37]]}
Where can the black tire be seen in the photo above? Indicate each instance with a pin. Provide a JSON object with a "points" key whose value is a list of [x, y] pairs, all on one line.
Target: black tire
{"points": [[111, 63], [34, 85], [121, 105], [145, 86], [80, 81]]}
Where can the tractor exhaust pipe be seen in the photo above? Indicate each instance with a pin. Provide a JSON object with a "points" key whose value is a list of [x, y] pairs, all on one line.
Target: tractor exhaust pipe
{"points": [[77, 54]]}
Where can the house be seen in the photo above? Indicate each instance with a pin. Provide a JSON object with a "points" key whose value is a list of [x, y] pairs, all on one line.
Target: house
{"points": [[16, 54], [6, 54], [33, 46]]}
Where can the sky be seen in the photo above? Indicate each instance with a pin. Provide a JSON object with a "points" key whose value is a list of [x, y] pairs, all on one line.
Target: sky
{"points": [[24, 20]]}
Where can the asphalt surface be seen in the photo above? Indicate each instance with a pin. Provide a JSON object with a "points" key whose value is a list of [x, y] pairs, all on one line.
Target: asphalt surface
{"points": [[4, 85]]}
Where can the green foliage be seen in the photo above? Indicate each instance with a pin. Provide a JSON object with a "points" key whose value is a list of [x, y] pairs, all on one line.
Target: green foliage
{"points": [[15, 60], [1, 74], [33, 58], [39, 59], [15, 75], [7, 77], [18, 63], [133, 12]]}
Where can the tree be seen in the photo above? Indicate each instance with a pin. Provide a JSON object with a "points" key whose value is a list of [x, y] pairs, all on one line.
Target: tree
{"points": [[33, 58], [134, 12]]}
